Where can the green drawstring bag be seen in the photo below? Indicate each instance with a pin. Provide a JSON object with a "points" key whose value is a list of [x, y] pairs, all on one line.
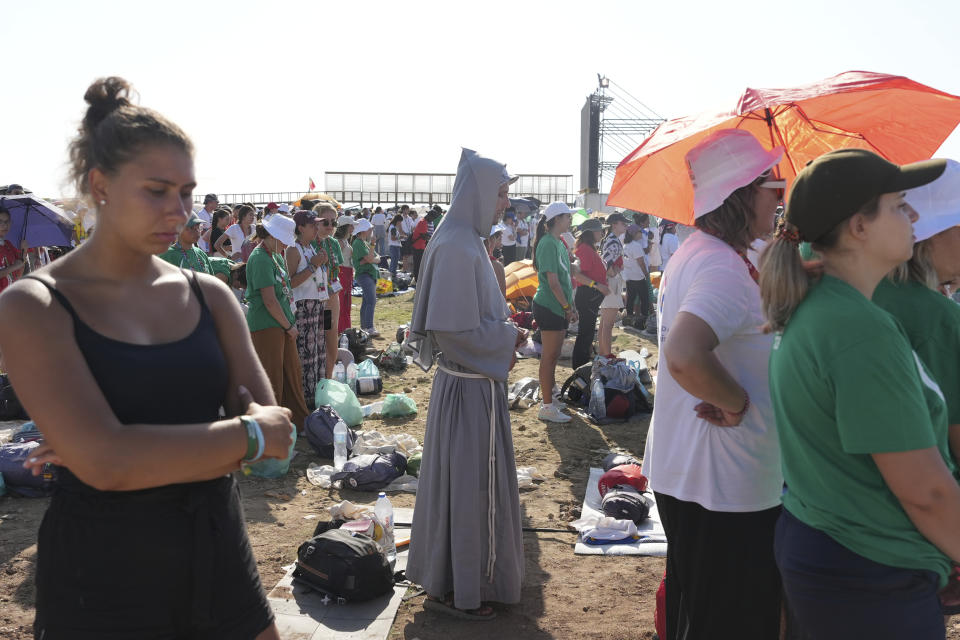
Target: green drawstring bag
{"points": [[413, 464], [342, 399], [274, 467], [397, 405]]}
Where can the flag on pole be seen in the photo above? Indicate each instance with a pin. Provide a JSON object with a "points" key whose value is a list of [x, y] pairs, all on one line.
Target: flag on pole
{"points": [[312, 185]]}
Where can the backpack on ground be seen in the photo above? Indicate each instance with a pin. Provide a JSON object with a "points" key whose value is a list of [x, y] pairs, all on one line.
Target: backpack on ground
{"points": [[357, 342], [371, 471], [350, 568], [576, 390], [401, 281], [319, 429], [20, 481]]}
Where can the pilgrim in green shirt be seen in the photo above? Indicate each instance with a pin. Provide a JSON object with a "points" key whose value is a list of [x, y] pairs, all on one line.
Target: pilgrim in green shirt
{"points": [[264, 270], [845, 384], [193, 258], [932, 323], [552, 257], [332, 246], [221, 266], [361, 250]]}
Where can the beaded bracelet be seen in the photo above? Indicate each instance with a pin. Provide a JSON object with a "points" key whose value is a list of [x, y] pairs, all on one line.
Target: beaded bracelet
{"points": [[746, 405]]}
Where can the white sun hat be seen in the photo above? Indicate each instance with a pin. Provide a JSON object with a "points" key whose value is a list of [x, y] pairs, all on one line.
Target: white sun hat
{"points": [[555, 209], [937, 203], [282, 228], [362, 225], [722, 163]]}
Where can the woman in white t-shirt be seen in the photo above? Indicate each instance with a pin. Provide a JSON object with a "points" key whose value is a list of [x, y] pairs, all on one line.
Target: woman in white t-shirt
{"points": [[635, 274], [237, 235], [394, 242], [309, 282], [712, 454], [669, 243], [509, 237]]}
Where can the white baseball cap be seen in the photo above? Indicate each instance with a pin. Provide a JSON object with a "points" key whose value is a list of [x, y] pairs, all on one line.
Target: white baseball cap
{"points": [[282, 228], [362, 225], [555, 209], [283, 208], [723, 162], [497, 228], [937, 203], [344, 220]]}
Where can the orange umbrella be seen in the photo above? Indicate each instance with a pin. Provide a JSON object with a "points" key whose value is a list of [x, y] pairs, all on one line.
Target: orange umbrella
{"points": [[521, 280], [902, 120]]}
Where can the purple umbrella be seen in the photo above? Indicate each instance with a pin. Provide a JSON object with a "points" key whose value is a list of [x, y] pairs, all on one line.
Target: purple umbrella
{"points": [[39, 222]]}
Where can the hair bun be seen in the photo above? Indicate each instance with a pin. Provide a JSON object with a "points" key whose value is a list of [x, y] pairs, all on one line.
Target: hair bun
{"points": [[105, 96]]}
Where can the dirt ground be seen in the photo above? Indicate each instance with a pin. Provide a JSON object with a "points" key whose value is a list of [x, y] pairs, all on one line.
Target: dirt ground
{"points": [[564, 596]]}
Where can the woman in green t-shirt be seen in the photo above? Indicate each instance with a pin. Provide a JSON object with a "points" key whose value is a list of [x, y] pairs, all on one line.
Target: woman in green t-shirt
{"points": [[553, 303], [271, 317], [365, 261], [917, 291], [872, 510]]}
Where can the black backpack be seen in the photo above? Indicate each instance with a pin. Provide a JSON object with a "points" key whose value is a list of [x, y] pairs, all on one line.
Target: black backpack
{"points": [[357, 342], [348, 567], [576, 389], [10, 407], [319, 429]]}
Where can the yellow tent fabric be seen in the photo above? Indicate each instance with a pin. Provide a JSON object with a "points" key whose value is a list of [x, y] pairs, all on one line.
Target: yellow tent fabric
{"points": [[521, 280]]}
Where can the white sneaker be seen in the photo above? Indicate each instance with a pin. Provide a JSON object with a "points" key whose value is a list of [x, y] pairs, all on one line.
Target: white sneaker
{"points": [[551, 413]]}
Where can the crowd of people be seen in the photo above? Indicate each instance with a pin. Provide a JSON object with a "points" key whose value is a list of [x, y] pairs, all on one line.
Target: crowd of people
{"points": [[802, 450]]}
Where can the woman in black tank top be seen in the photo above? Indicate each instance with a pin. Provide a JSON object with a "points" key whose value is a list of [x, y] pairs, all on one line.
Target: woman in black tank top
{"points": [[124, 362]]}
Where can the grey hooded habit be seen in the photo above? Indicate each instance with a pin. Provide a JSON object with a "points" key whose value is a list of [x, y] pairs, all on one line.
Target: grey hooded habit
{"points": [[466, 535]]}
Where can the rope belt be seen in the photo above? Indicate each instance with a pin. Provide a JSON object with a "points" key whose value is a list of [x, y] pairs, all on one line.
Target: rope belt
{"points": [[491, 470]]}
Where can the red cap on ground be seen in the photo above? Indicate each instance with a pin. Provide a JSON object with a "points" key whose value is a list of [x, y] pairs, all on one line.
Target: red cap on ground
{"points": [[626, 474]]}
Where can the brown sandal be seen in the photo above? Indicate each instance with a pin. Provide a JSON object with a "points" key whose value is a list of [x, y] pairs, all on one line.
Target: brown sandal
{"points": [[484, 612]]}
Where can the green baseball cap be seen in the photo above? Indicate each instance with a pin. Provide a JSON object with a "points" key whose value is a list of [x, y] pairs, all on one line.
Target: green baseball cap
{"points": [[839, 183]]}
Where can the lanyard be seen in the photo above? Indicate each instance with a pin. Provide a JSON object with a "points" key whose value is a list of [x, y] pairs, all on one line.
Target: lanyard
{"points": [[285, 281], [743, 256], [186, 259]]}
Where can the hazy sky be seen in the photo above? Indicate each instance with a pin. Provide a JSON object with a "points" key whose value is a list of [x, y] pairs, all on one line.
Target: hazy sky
{"points": [[275, 92]]}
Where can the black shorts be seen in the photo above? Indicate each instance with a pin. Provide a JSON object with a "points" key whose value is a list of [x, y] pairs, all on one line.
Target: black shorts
{"points": [[547, 320], [172, 562]]}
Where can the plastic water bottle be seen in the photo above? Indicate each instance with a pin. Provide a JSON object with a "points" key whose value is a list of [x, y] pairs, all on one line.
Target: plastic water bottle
{"points": [[352, 376], [598, 400], [383, 510], [344, 342], [339, 444], [340, 372]]}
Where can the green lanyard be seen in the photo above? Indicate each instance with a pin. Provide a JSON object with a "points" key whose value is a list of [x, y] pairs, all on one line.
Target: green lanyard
{"points": [[286, 288]]}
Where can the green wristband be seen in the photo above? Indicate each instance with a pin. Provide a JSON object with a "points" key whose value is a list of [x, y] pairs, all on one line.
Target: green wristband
{"points": [[253, 443]]}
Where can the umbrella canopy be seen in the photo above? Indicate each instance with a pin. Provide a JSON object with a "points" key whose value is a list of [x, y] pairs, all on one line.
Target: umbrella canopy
{"points": [[37, 221], [529, 204], [521, 280], [902, 120], [317, 196]]}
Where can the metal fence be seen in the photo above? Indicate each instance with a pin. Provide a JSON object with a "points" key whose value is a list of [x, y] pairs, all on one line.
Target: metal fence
{"points": [[370, 189]]}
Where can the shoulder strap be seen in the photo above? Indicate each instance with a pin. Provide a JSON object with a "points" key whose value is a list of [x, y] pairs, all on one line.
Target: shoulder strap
{"points": [[62, 299], [197, 289]]}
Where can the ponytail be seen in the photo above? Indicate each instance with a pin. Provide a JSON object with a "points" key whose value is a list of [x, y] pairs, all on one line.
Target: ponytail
{"points": [[784, 282], [542, 226]]}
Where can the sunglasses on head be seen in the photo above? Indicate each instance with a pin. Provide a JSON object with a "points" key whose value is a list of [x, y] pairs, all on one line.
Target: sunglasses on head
{"points": [[765, 182]]}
